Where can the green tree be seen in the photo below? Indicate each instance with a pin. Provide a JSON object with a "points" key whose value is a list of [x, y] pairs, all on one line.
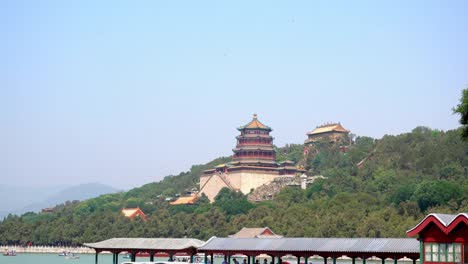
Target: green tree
{"points": [[433, 193], [402, 193], [232, 202], [462, 109]]}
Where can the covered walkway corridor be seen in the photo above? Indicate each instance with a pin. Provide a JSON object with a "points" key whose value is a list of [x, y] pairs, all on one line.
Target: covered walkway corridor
{"points": [[333, 248], [151, 246]]}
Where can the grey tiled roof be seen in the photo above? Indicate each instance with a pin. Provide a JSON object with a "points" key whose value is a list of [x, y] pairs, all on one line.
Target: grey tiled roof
{"points": [[444, 219], [358, 245], [147, 243]]}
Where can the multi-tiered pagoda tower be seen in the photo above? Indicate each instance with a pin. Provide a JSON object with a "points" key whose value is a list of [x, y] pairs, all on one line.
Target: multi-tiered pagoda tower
{"points": [[254, 145], [253, 163]]}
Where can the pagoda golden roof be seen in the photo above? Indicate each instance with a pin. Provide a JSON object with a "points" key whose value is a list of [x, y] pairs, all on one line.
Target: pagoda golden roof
{"points": [[328, 128], [255, 124]]}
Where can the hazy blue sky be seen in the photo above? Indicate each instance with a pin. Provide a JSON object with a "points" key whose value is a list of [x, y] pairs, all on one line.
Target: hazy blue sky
{"points": [[126, 92]]}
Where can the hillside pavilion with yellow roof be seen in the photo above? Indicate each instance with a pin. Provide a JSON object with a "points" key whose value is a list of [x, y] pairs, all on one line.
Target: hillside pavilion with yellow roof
{"points": [[334, 132]]}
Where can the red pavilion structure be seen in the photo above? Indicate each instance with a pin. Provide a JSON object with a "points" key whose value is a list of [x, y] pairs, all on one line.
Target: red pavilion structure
{"points": [[443, 238]]}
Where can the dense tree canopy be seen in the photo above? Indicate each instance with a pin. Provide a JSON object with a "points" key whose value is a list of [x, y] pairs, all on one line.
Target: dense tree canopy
{"points": [[401, 179], [462, 109]]}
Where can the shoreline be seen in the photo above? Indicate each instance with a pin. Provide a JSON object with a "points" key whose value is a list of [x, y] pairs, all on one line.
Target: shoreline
{"points": [[47, 249]]}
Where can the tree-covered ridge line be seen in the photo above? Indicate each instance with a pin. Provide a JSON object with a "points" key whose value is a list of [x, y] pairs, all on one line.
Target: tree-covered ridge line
{"points": [[404, 178]]}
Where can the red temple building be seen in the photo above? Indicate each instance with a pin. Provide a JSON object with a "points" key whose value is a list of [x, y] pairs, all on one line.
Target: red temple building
{"points": [[443, 238], [253, 163]]}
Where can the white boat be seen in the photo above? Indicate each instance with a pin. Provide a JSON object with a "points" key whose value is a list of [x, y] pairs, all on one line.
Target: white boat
{"points": [[72, 256], [238, 256], [9, 253]]}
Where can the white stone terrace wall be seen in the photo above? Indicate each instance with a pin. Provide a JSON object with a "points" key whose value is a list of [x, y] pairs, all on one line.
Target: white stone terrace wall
{"points": [[47, 249]]}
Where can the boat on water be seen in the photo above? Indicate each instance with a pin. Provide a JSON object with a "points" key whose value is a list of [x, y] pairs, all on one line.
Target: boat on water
{"points": [[64, 253], [10, 253], [72, 256], [238, 256]]}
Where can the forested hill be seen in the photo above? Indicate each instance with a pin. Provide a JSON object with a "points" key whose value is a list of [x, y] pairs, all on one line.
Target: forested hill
{"points": [[402, 179]]}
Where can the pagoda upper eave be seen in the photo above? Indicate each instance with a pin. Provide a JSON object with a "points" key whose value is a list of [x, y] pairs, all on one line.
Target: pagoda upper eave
{"points": [[253, 167], [255, 136], [257, 128], [256, 160], [254, 147]]}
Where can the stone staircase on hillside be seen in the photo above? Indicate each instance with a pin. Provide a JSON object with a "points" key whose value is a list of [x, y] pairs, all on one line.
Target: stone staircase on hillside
{"points": [[310, 152], [268, 191]]}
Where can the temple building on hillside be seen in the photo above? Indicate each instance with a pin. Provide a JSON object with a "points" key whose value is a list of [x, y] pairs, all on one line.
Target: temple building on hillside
{"points": [[133, 212], [334, 133], [253, 163], [185, 200], [264, 232]]}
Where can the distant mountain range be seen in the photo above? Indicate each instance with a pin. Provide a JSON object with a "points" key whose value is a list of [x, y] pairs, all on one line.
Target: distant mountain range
{"points": [[21, 199]]}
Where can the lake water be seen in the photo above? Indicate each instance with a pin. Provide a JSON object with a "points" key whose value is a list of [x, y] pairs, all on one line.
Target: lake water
{"points": [[42, 258]]}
